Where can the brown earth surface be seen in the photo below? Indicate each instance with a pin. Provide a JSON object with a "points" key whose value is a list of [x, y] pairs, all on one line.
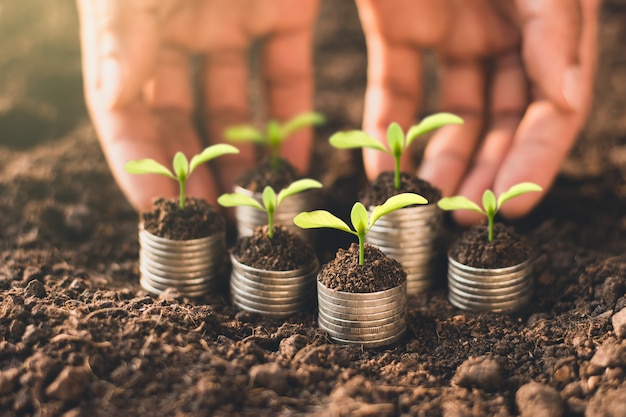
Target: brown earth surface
{"points": [[79, 337]]}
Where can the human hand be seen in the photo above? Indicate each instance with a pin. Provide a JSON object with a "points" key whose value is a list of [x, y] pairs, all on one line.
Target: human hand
{"points": [[520, 73], [143, 99]]}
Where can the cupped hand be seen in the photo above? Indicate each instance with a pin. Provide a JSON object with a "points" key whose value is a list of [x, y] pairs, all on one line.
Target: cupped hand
{"points": [[153, 67], [520, 73]]}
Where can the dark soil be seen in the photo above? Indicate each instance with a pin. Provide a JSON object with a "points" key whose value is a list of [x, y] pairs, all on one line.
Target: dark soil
{"points": [[383, 187], [79, 336], [265, 174], [473, 248], [198, 219], [283, 252], [378, 272]]}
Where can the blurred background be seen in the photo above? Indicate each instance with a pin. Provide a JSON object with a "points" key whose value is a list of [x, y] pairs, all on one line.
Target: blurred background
{"points": [[40, 76], [41, 88]]}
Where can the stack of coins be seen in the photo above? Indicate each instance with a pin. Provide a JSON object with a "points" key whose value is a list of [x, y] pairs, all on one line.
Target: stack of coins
{"points": [[192, 267], [272, 293], [248, 218], [369, 319], [500, 290], [411, 236]]}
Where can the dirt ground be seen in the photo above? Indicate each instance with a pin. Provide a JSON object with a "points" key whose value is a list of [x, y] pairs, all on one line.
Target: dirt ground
{"points": [[79, 337]]}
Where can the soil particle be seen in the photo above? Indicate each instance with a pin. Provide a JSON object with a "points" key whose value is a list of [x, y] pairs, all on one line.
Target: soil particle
{"points": [[69, 384], [8, 380], [377, 273], [619, 323], [538, 400], [289, 346], [383, 187], [481, 372], [474, 249], [610, 354], [264, 174], [283, 252], [35, 289], [607, 404], [198, 219], [271, 376]]}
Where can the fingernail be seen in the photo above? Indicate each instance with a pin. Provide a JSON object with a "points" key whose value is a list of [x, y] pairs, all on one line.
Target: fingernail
{"points": [[111, 82], [573, 88]]}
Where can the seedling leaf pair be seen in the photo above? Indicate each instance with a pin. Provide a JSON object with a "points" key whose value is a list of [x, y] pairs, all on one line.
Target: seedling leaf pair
{"points": [[181, 167], [361, 221], [491, 204], [270, 199], [397, 141], [275, 133]]}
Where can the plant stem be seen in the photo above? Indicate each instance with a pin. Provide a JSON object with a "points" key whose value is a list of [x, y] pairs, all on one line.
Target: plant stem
{"points": [[361, 249], [270, 224], [397, 172], [490, 227], [182, 194]]}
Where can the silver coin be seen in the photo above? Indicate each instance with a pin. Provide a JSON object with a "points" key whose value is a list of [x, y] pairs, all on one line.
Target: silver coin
{"points": [[367, 337], [492, 290], [370, 344], [503, 307], [361, 321], [397, 291]]}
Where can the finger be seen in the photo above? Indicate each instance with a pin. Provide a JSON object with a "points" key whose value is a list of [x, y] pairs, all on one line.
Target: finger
{"points": [[288, 78], [224, 86], [170, 95], [551, 38], [449, 151], [508, 100], [392, 94], [120, 39], [547, 132]]}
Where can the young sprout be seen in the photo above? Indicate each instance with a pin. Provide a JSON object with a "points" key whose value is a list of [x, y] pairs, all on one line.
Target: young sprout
{"points": [[358, 216], [182, 168], [491, 205], [397, 141], [270, 200], [275, 133]]}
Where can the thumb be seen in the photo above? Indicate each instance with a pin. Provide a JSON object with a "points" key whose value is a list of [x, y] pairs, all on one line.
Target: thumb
{"points": [[120, 41], [551, 36]]}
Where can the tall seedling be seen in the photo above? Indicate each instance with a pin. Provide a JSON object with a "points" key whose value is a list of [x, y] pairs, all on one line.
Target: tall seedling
{"points": [[397, 142], [274, 135], [182, 168], [361, 222]]}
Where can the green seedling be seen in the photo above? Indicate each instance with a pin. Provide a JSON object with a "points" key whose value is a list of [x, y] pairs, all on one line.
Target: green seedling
{"points": [[397, 141], [182, 168], [491, 205], [275, 133], [361, 222], [270, 199]]}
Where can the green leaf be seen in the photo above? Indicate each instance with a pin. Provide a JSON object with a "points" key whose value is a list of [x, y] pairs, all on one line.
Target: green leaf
{"points": [[321, 218], [147, 166], [300, 121], [269, 199], [431, 123], [394, 203], [517, 190], [297, 187], [459, 202], [244, 133], [359, 218], [395, 139], [355, 139], [274, 134], [181, 166], [489, 202], [209, 153], [237, 199]]}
